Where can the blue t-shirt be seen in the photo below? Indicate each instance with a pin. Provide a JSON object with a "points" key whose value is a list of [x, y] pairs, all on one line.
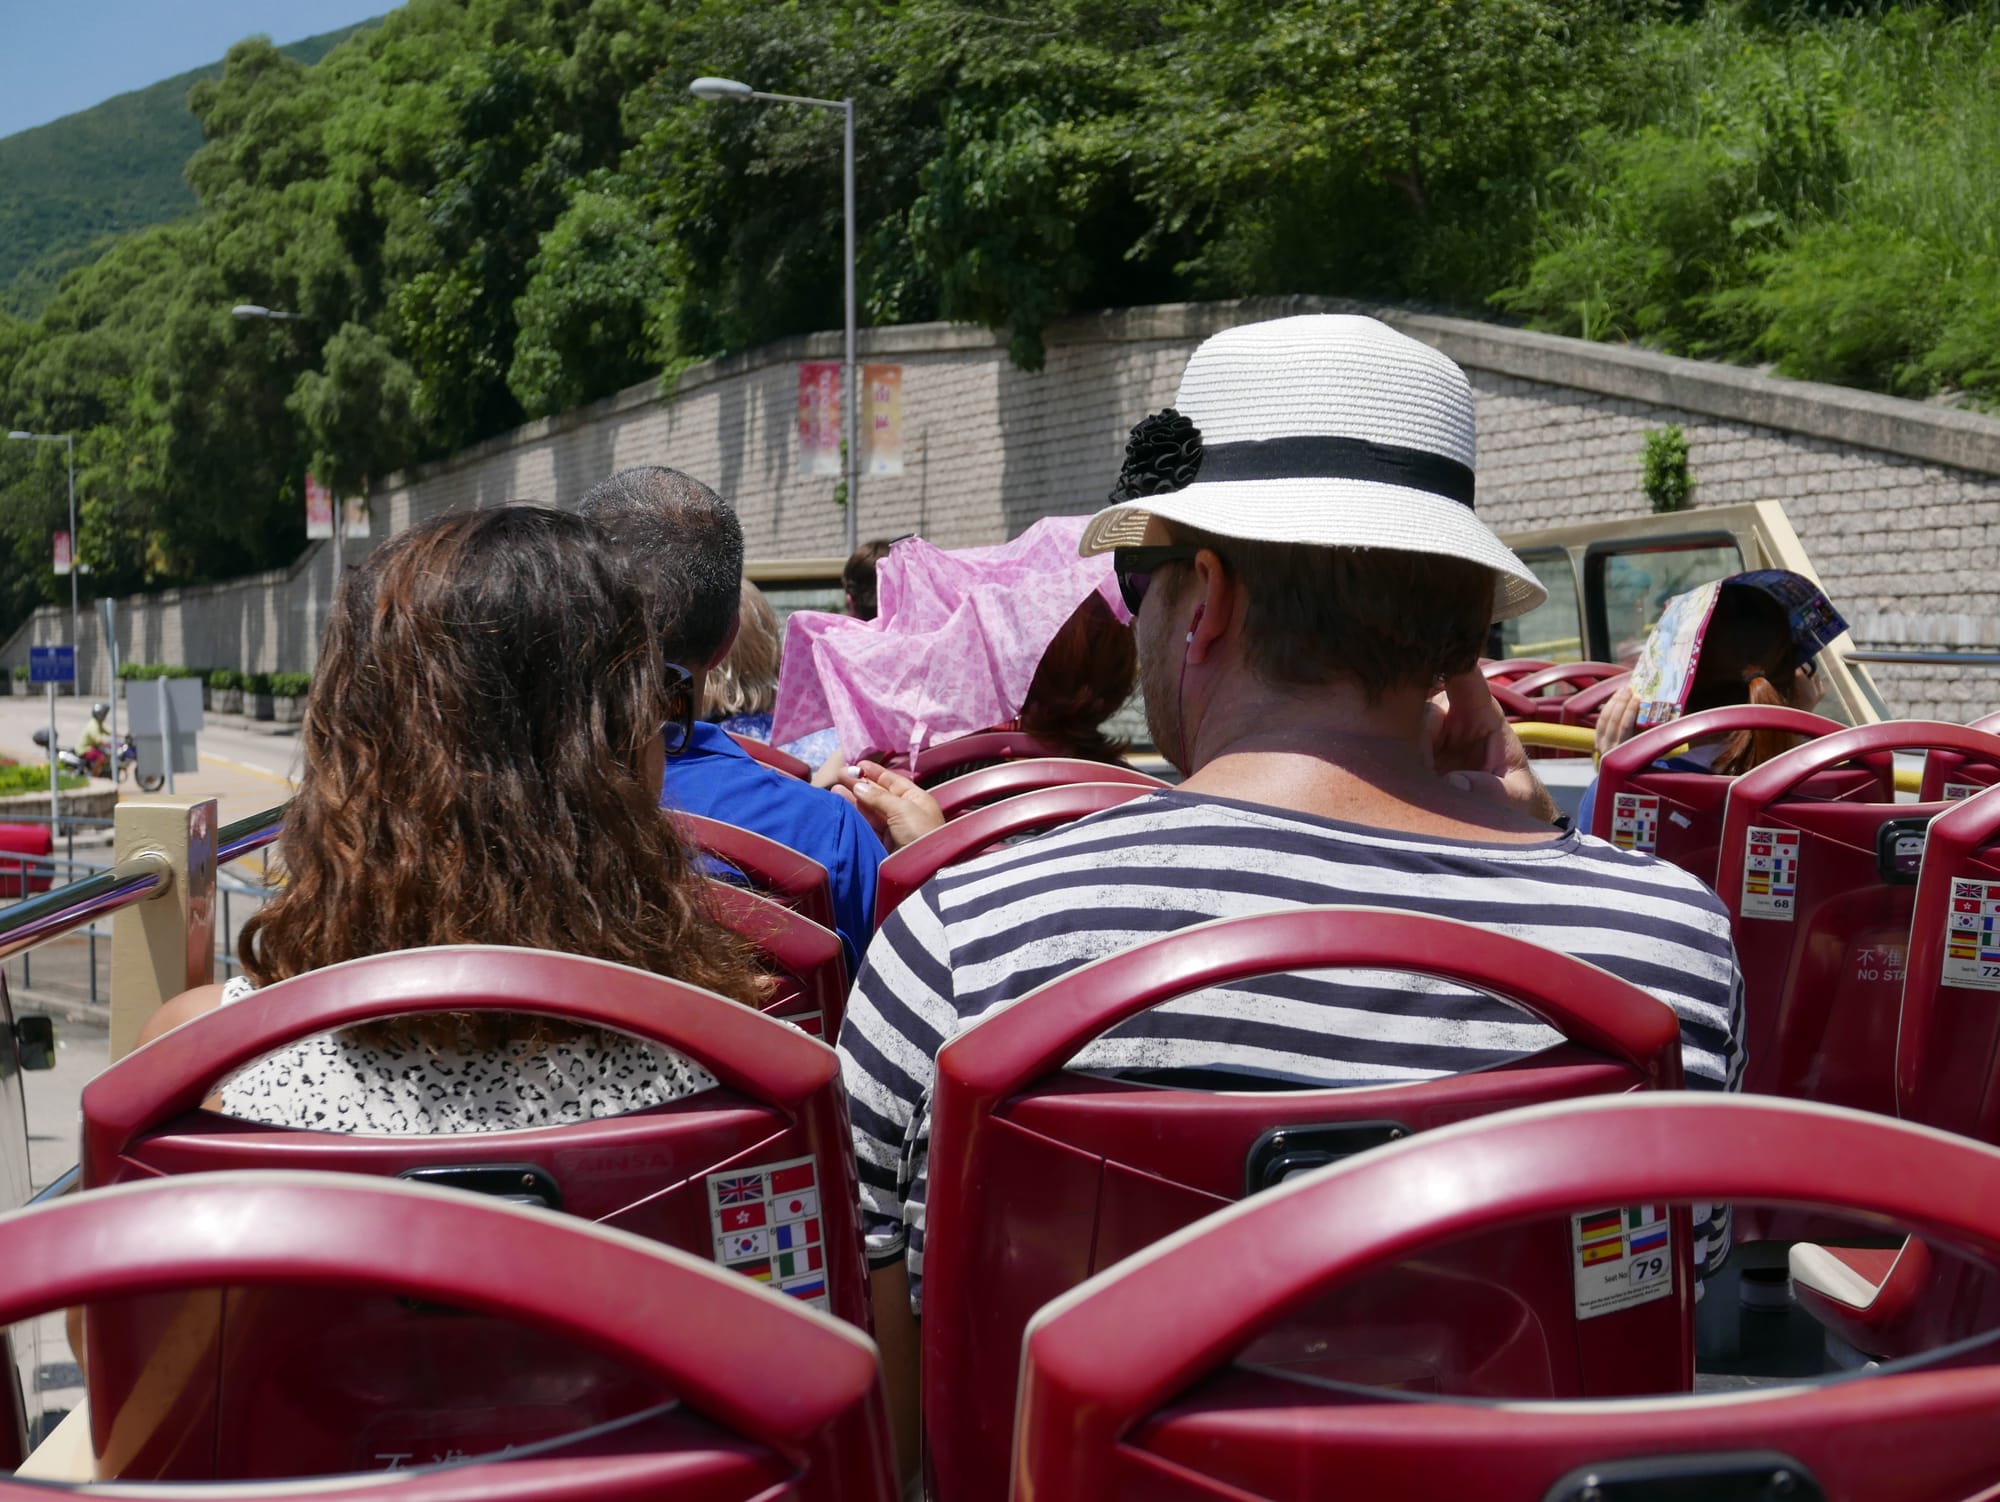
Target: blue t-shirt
{"points": [[717, 779]]}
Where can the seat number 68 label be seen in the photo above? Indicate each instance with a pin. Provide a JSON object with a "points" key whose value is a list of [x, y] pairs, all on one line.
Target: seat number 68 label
{"points": [[1771, 874]]}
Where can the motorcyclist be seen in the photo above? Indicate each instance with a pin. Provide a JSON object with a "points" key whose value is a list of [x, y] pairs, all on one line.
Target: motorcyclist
{"points": [[94, 745]]}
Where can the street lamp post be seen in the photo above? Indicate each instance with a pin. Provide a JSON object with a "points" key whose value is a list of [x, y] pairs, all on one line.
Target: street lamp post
{"points": [[251, 310], [728, 88], [69, 440]]}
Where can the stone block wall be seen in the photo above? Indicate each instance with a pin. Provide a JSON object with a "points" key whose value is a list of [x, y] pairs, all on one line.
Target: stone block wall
{"points": [[1898, 503]]}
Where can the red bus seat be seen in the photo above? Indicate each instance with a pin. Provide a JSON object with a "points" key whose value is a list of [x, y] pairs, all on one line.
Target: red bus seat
{"points": [[674, 1173], [798, 881], [1951, 775], [1583, 706], [947, 759], [981, 830], [18, 878], [1505, 670], [1678, 815], [1146, 1383], [810, 968], [772, 757], [1011, 778], [1820, 903], [1892, 1302], [1550, 687], [1055, 1175], [761, 1398], [1518, 708]]}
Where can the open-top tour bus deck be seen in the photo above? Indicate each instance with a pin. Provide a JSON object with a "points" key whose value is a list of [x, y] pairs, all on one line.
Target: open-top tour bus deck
{"points": [[1487, 1284]]}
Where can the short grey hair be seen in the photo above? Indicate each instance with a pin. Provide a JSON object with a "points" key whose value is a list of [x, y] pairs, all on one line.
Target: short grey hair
{"points": [[687, 546]]}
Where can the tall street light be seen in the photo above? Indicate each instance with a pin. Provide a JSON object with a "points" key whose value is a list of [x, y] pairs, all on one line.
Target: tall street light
{"points": [[251, 310], [67, 439], [729, 88]]}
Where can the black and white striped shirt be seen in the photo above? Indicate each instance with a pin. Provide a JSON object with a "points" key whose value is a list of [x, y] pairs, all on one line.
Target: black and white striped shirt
{"points": [[984, 934]]}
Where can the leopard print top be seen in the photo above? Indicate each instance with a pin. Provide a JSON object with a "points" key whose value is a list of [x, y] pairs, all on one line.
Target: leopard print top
{"points": [[328, 1083]]}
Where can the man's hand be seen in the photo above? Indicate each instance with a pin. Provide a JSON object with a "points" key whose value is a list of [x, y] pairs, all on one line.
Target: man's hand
{"points": [[896, 807], [1471, 745], [1617, 721]]}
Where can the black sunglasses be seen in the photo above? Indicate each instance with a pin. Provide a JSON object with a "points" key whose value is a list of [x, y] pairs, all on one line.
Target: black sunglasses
{"points": [[679, 727], [1135, 568]]}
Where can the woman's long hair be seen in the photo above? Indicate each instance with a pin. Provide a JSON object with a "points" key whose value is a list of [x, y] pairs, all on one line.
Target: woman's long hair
{"points": [[746, 680], [1086, 674], [474, 744], [1748, 656]]}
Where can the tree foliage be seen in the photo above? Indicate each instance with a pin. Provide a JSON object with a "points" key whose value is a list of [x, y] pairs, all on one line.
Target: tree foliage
{"points": [[485, 210]]}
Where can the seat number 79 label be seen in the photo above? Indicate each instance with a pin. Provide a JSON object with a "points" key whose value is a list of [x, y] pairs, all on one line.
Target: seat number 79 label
{"points": [[1621, 1257], [1972, 936]]}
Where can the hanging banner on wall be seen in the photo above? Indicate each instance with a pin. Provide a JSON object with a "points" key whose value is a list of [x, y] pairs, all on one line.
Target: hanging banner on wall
{"points": [[62, 553], [319, 510], [819, 418], [355, 522], [882, 418]]}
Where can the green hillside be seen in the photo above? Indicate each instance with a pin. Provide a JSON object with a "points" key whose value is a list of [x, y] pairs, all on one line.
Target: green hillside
{"points": [[71, 187]]}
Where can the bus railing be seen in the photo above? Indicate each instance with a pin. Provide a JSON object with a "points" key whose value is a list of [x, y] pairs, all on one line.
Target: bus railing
{"points": [[160, 894]]}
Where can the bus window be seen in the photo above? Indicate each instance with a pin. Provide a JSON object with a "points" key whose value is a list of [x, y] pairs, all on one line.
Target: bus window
{"points": [[1627, 585], [1554, 629]]}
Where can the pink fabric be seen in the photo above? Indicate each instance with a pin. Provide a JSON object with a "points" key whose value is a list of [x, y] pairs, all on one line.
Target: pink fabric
{"points": [[954, 648]]}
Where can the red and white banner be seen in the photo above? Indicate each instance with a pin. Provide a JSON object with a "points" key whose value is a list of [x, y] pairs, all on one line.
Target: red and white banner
{"points": [[882, 418], [319, 510], [819, 418], [62, 553]]}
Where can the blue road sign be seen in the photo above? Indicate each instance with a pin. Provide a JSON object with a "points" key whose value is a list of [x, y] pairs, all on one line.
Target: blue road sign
{"points": [[52, 664]]}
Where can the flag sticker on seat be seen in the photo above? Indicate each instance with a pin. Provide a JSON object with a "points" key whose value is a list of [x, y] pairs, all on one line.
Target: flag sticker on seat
{"points": [[1620, 1257], [1771, 874], [1972, 936], [1958, 792], [1635, 822], [766, 1224]]}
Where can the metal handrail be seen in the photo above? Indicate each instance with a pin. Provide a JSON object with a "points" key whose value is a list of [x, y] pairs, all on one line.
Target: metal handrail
{"points": [[66, 909], [1928, 659]]}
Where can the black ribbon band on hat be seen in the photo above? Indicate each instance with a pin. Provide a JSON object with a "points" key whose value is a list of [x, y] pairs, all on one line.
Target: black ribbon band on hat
{"points": [[1321, 457]]}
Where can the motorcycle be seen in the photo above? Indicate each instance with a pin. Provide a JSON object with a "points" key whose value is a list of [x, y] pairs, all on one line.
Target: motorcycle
{"points": [[92, 761]]}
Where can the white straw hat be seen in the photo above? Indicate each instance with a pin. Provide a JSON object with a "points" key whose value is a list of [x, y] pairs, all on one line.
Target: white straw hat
{"points": [[1327, 429]]}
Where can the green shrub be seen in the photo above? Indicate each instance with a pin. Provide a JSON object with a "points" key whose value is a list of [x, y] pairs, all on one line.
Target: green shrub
{"points": [[1666, 480], [224, 678], [291, 685], [256, 683], [20, 672], [34, 778]]}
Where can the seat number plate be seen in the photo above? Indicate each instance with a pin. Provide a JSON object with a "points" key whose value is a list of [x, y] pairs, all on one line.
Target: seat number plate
{"points": [[1621, 1257], [1771, 874], [1972, 936]]}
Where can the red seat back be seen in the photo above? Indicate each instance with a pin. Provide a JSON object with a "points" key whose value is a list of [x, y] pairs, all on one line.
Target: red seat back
{"points": [[1952, 775], [681, 1173], [1948, 1041], [1041, 1177], [763, 1399], [1135, 1387], [1821, 915], [1507, 669], [1583, 706], [18, 878], [937, 763], [1010, 779], [1518, 708], [772, 757], [1678, 815], [1551, 687], [798, 881], [977, 832], [810, 968]]}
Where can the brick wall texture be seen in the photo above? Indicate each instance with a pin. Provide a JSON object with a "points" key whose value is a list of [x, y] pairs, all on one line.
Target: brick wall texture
{"points": [[1897, 503]]}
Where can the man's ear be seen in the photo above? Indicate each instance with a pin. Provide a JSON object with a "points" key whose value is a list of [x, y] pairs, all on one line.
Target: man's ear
{"points": [[1215, 605]]}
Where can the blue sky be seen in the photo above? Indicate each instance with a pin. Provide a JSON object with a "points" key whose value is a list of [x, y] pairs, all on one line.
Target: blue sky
{"points": [[61, 56]]}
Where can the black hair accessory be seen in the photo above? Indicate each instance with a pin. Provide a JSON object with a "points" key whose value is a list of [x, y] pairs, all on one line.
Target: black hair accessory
{"points": [[1163, 454]]}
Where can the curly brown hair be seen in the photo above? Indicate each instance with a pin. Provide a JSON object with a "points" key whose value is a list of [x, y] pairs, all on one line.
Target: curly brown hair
{"points": [[474, 743]]}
